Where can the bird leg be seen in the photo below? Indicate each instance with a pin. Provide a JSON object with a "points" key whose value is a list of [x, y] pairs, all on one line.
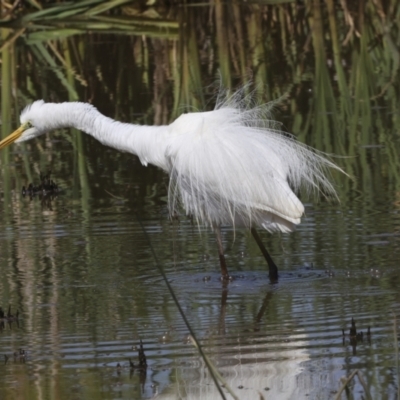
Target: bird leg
{"points": [[222, 262], [273, 269]]}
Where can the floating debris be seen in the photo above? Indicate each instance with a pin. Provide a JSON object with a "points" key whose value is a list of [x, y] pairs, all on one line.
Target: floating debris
{"points": [[46, 187], [166, 337], [20, 355], [354, 336]]}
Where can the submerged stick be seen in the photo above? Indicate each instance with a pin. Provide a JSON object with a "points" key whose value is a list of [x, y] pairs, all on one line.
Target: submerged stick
{"points": [[215, 371], [348, 380], [364, 385], [176, 301], [345, 383]]}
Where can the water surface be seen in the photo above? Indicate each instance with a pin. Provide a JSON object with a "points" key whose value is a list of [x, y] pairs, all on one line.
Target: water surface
{"points": [[82, 267]]}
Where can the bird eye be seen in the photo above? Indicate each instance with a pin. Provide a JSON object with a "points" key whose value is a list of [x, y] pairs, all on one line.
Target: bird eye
{"points": [[29, 125]]}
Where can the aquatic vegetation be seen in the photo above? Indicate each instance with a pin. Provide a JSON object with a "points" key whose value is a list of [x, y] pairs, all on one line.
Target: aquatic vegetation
{"points": [[334, 68]]}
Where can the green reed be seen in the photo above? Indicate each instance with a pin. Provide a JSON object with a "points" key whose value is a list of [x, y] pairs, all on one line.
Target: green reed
{"points": [[340, 63], [340, 60], [343, 61]]}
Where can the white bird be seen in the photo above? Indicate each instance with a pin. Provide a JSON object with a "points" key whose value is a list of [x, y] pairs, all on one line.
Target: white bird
{"points": [[226, 166]]}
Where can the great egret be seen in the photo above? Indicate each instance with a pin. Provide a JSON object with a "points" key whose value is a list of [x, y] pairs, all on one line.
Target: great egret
{"points": [[226, 166]]}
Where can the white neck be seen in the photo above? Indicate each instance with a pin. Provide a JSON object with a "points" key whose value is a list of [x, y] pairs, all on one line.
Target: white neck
{"points": [[147, 142]]}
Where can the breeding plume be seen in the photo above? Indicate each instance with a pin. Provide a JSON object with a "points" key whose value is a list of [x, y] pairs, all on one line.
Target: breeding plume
{"points": [[226, 166]]}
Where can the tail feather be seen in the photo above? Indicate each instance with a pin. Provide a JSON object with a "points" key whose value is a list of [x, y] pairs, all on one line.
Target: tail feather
{"points": [[232, 164]]}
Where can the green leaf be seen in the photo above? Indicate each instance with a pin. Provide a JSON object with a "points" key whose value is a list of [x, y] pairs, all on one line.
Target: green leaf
{"points": [[57, 70], [106, 6], [53, 34]]}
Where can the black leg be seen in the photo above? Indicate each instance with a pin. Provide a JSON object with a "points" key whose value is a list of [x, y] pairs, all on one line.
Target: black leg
{"points": [[224, 269], [273, 269]]}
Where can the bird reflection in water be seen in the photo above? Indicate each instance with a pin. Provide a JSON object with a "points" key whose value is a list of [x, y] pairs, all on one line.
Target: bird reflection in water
{"points": [[230, 166]]}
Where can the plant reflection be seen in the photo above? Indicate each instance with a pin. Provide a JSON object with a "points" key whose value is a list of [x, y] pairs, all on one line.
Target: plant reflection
{"points": [[334, 68]]}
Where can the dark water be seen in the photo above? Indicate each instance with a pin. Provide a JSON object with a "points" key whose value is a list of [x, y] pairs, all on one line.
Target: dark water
{"points": [[81, 267]]}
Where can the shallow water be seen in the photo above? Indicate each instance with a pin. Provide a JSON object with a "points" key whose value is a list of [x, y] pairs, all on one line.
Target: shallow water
{"points": [[84, 279], [83, 268]]}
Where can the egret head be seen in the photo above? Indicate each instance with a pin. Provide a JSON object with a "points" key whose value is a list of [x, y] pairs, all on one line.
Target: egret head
{"points": [[33, 123]]}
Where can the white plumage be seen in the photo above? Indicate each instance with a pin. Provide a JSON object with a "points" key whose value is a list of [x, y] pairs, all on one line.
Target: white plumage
{"points": [[226, 166]]}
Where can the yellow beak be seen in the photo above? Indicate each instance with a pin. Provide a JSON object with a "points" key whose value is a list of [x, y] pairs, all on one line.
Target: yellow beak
{"points": [[13, 137]]}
